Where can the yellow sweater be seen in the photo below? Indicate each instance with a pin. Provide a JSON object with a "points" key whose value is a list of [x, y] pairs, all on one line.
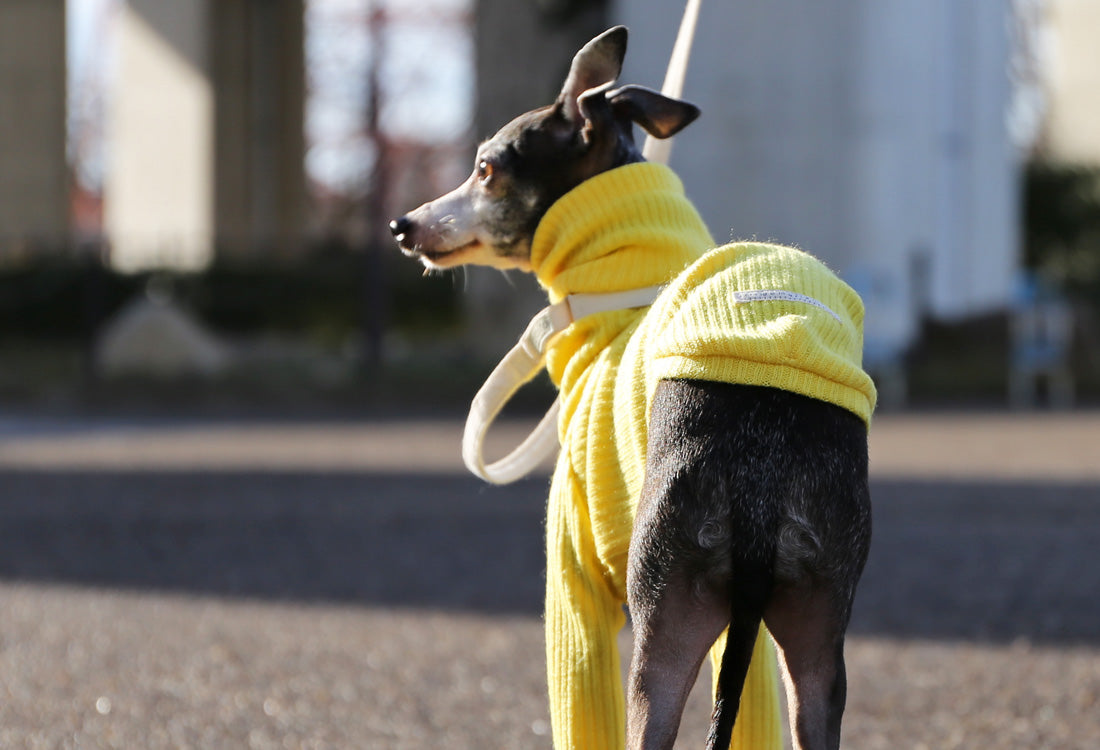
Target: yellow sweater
{"points": [[628, 228]]}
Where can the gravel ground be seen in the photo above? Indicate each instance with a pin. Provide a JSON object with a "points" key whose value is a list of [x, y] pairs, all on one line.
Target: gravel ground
{"points": [[188, 584]]}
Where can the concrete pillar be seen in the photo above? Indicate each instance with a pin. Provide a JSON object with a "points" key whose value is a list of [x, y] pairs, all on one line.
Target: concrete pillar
{"points": [[34, 185], [159, 199], [524, 51], [258, 69], [206, 130], [1074, 82]]}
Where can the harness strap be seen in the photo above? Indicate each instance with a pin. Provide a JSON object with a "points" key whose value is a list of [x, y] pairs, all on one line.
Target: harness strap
{"points": [[518, 367]]}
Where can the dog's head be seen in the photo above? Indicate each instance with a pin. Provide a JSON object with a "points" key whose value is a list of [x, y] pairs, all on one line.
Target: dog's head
{"points": [[537, 158]]}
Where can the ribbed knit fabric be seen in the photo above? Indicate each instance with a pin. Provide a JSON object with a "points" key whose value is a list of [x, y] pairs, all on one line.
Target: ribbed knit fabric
{"points": [[634, 227]]}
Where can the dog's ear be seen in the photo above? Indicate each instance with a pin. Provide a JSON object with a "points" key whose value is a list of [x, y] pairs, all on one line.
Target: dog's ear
{"points": [[659, 115], [596, 114], [597, 64]]}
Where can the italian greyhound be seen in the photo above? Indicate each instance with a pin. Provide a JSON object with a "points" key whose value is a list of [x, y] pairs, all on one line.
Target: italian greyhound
{"points": [[786, 474]]}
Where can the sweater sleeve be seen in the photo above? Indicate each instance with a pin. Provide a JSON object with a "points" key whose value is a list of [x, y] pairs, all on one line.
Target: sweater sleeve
{"points": [[583, 618]]}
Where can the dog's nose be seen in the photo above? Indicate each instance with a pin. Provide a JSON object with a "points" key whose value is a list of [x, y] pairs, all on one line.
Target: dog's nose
{"points": [[400, 227]]}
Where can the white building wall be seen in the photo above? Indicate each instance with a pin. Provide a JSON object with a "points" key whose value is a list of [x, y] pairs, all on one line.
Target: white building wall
{"points": [[871, 134], [976, 252]]}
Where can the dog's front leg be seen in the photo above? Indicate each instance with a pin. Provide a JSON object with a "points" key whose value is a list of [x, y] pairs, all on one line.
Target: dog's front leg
{"points": [[583, 618]]}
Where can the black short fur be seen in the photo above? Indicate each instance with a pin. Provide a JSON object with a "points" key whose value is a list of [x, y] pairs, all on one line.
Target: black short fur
{"points": [[750, 490]]}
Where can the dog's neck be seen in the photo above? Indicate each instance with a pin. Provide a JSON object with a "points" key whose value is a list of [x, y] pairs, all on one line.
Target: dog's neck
{"points": [[628, 228]]}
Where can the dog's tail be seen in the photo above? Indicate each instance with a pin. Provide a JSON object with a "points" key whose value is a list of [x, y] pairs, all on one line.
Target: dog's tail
{"points": [[725, 709], [731, 679], [752, 701]]}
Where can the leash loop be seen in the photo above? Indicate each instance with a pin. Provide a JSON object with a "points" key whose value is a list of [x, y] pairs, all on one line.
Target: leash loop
{"points": [[518, 367]]}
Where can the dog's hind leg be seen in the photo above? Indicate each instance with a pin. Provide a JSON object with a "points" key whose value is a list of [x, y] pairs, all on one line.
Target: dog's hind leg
{"points": [[672, 633], [824, 541], [679, 574], [676, 616], [808, 617], [811, 643], [675, 625]]}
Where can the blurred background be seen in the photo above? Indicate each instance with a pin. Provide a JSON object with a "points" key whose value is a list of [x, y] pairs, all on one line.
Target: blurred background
{"points": [[194, 195], [232, 510]]}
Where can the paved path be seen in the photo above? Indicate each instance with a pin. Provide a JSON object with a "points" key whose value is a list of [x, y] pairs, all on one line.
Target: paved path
{"points": [[313, 585]]}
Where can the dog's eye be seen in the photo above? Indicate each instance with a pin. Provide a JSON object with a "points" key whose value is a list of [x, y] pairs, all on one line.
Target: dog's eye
{"points": [[484, 171]]}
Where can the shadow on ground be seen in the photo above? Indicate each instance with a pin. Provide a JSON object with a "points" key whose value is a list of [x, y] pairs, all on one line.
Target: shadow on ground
{"points": [[951, 560]]}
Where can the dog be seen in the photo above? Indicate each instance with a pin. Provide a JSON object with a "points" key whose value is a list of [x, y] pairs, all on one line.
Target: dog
{"points": [[752, 505]]}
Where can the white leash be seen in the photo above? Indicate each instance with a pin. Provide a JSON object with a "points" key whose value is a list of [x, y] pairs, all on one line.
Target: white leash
{"points": [[527, 357], [656, 149], [522, 363]]}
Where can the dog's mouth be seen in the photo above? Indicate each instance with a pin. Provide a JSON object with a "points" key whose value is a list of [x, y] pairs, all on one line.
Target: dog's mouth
{"points": [[436, 258], [444, 243]]}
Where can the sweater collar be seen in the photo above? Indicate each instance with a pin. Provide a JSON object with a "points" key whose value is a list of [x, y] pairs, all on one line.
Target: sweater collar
{"points": [[628, 228], [622, 229]]}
